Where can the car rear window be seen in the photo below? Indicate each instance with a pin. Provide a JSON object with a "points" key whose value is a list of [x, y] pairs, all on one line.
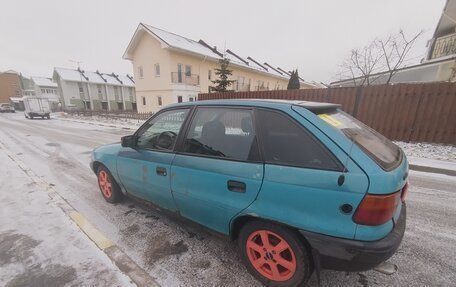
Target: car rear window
{"points": [[379, 148]]}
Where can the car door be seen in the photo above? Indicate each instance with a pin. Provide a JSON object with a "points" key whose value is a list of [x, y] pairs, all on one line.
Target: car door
{"points": [[144, 170], [305, 184], [217, 172]]}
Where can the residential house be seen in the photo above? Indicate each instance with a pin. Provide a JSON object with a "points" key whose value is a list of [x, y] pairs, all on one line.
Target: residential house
{"points": [[10, 86], [94, 90], [46, 88], [439, 64], [169, 68]]}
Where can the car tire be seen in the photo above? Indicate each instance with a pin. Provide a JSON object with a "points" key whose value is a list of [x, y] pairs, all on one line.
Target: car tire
{"points": [[281, 260], [108, 186]]}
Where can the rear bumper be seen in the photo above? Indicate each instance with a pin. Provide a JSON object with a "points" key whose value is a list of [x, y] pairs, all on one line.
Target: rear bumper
{"points": [[352, 255]]}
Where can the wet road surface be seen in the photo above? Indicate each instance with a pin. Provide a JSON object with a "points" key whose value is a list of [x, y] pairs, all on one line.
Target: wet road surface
{"points": [[177, 253]]}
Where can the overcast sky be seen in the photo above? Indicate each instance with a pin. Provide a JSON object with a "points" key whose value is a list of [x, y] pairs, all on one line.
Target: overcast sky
{"points": [[313, 36]]}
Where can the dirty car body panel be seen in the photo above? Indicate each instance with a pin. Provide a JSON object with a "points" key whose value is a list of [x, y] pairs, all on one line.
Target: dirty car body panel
{"points": [[306, 167]]}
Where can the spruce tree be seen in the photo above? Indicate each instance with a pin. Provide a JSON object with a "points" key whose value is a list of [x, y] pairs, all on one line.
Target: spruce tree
{"points": [[222, 83], [293, 83]]}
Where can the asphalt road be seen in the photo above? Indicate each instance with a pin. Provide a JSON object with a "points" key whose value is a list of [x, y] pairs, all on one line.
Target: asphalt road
{"points": [[177, 253]]}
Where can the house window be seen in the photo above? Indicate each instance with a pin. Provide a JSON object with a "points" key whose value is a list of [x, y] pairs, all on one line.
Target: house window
{"points": [[43, 91], [209, 75], [159, 100], [130, 91], [99, 90], [141, 72], [144, 100], [179, 99], [116, 91], [157, 70], [81, 90], [188, 70], [190, 99]]}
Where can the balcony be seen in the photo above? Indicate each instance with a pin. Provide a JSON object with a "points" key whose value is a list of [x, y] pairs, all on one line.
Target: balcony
{"points": [[444, 46], [241, 87], [186, 79], [261, 88]]}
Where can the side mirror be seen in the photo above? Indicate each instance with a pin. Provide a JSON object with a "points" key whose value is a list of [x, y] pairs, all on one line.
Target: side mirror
{"points": [[129, 141]]}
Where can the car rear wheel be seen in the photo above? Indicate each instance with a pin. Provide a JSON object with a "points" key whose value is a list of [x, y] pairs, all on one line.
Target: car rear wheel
{"points": [[108, 186], [274, 254]]}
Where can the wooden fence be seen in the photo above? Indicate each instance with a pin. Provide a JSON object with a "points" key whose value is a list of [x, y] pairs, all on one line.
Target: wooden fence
{"points": [[403, 112]]}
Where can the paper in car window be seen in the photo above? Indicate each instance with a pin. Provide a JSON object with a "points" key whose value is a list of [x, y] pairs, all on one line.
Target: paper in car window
{"points": [[330, 120]]}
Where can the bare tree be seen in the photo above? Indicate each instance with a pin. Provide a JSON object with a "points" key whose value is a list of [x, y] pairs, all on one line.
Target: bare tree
{"points": [[364, 65], [395, 50], [361, 64]]}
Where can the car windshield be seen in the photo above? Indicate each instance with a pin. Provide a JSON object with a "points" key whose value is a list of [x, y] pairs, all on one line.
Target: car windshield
{"points": [[379, 148]]}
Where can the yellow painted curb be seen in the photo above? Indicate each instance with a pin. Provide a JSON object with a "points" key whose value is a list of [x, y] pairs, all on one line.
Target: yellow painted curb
{"points": [[94, 234]]}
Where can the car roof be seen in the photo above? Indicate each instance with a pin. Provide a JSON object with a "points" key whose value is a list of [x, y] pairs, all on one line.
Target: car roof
{"points": [[312, 106]]}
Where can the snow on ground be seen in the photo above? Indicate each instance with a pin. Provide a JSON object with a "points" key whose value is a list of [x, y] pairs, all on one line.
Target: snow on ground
{"points": [[421, 150], [430, 151], [179, 253], [105, 120], [39, 245]]}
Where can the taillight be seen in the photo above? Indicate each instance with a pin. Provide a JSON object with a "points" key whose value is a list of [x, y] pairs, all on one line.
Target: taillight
{"points": [[404, 191], [377, 209]]}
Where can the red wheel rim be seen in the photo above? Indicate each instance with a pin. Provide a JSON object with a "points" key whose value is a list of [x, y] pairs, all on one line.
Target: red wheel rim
{"points": [[271, 255], [105, 183]]}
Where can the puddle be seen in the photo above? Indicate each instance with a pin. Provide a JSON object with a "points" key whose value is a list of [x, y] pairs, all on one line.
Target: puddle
{"points": [[160, 247]]}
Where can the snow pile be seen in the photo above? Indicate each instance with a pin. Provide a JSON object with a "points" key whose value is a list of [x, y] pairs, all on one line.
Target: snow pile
{"points": [[420, 150], [430, 151], [117, 121]]}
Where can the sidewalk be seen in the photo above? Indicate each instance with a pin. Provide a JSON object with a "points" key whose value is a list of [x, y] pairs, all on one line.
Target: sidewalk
{"points": [[432, 165], [39, 245]]}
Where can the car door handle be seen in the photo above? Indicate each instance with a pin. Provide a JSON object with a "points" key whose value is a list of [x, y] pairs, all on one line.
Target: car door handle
{"points": [[161, 171], [236, 186]]}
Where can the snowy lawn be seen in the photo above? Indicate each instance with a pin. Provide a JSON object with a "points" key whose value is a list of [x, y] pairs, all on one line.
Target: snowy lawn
{"points": [[421, 150], [430, 151]]}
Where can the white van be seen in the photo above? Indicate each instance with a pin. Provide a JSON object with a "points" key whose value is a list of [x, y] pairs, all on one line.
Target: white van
{"points": [[37, 107]]}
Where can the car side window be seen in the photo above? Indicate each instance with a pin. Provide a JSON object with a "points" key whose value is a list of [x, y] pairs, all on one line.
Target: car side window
{"points": [[223, 132], [161, 132], [286, 142]]}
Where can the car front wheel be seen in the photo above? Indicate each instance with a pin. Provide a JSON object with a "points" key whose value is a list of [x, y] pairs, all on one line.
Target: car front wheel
{"points": [[274, 254], [108, 186]]}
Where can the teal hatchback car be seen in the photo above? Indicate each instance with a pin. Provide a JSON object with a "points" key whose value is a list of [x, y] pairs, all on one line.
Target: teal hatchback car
{"points": [[299, 185]]}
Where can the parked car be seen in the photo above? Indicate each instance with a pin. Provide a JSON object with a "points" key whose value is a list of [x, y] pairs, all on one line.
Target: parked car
{"points": [[298, 184], [7, 108], [37, 107]]}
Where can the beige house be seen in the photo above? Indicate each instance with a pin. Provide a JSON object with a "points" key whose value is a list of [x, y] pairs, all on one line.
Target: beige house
{"points": [[169, 68]]}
